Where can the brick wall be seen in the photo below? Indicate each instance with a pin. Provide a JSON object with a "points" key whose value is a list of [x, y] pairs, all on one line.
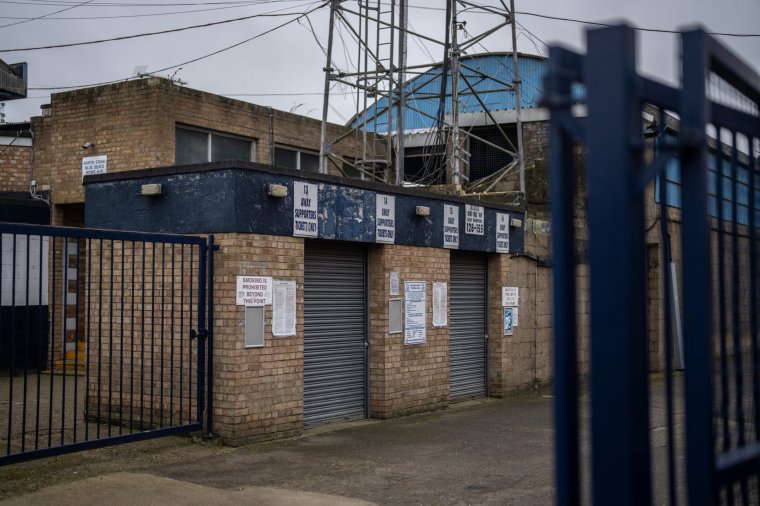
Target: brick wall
{"points": [[133, 123], [406, 378], [15, 163]]}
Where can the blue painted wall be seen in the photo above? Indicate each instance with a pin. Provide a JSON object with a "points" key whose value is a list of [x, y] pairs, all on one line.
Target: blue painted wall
{"points": [[232, 197]]}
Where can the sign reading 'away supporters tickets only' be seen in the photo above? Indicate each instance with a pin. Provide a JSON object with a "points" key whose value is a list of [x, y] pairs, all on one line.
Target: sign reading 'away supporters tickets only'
{"points": [[450, 226], [502, 233], [305, 206], [385, 219]]}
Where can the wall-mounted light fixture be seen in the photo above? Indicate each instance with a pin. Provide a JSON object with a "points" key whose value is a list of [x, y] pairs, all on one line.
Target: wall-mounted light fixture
{"points": [[515, 223], [277, 190], [151, 190], [422, 211], [88, 145]]}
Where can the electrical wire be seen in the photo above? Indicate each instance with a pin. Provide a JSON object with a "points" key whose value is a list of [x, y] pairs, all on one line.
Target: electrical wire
{"points": [[148, 34], [46, 15]]}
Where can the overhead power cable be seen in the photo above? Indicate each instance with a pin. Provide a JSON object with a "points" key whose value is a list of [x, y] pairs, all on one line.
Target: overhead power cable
{"points": [[46, 15], [149, 34]]}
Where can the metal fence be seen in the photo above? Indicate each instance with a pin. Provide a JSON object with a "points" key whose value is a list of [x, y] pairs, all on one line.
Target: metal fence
{"points": [[672, 196], [102, 338]]}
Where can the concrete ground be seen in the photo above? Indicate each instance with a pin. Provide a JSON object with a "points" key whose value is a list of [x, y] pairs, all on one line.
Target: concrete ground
{"points": [[491, 451]]}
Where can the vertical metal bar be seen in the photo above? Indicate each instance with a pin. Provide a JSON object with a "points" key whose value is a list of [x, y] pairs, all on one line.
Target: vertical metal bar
{"points": [[210, 339], [64, 327], [161, 346], [26, 344], [667, 327], [142, 340], [171, 342], [100, 338], [88, 321], [516, 85], [13, 343], [190, 322], [40, 354], [76, 342], [753, 295], [51, 342], [202, 251], [110, 337], [562, 188], [122, 340], [132, 334], [182, 328], [152, 330], [696, 271], [619, 354], [323, 151]]}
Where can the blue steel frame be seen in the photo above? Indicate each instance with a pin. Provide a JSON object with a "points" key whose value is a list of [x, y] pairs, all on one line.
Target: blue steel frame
{"points": [[616, 180], [204, 322]]}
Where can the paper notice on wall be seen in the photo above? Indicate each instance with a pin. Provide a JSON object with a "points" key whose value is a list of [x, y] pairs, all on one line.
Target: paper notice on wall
{"points": [[502, 233], [450, 226], [253, 291], [305, 209], [414, 312], [474, 220], [283, 308], [510, 296], [440, 305], [385, 219], [394, 283], [515, 314], [508, 321]]}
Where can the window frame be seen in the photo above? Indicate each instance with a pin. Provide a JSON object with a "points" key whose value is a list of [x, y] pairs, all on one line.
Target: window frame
{"points": [[209, 135], [298, 152]]}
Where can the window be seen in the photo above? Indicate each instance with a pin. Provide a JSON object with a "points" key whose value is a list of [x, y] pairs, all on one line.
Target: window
{"points": [[197, 146], [291, 158]]}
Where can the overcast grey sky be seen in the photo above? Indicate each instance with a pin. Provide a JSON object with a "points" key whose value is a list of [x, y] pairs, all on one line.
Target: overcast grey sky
{"points": [[284, 68]]}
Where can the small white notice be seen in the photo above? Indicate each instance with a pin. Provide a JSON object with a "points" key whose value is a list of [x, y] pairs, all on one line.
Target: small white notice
{"points": [[253, 291], [414, 312], [515, 316], [502, 233], [510, 296], [283, 308], [440, 305], [509, 322], [92, 165], [394, 283], [450, 226], [305, 209], [385, 219], [474, 220]]}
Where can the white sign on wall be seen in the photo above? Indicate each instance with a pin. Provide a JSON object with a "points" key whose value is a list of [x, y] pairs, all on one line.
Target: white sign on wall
{"points": [[414, 312], [440, 305], [253, 291], [394, 283], [92, 165], [450, 226], [385, 219], [510, 296], [305, 209], [474, 220], [502, 233]]}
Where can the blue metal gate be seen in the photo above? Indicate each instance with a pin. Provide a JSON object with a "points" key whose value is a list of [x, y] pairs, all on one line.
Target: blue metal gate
{"points": [[674, 169], [103, 338]]}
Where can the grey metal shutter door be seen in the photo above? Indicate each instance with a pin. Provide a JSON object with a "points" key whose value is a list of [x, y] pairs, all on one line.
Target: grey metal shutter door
{"points": [[335, 370], [467, 352]]}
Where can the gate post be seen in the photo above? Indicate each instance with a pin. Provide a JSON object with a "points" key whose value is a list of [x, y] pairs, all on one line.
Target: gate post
{"points": [[619, 361], [210, 338]]}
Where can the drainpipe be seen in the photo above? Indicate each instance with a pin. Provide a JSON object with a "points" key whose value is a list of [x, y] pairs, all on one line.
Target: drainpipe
{"points": [[270, 113]]}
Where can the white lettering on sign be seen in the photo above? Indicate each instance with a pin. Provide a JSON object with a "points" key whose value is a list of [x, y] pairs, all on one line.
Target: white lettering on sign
{"points": [[450, 226], [305, 208], [510, 296], [92, 165], [385, 219], [474, 221], [502, 233], [253, 291]]}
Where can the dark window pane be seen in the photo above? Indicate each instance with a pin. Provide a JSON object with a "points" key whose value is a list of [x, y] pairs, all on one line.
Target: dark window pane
{"points": [[309, 162], [191, 147], [351, 171], [286, 158], [229, 148]]}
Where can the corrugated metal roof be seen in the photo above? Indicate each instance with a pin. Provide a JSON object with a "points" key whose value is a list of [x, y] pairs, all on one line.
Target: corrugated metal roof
{"points": [[489, 75]]}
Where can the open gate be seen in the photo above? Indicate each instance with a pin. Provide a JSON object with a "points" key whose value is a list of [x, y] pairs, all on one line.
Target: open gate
{"points": [[103, 336], [692, 150]]}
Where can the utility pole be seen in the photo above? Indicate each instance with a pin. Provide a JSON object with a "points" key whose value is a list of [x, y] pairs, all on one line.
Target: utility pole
{"points": [[456, 156], [516, 85], [323, 148]]}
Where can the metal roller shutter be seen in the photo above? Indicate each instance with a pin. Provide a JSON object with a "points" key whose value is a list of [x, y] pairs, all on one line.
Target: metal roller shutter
{"points": [[335, 363], [468, 325]]}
